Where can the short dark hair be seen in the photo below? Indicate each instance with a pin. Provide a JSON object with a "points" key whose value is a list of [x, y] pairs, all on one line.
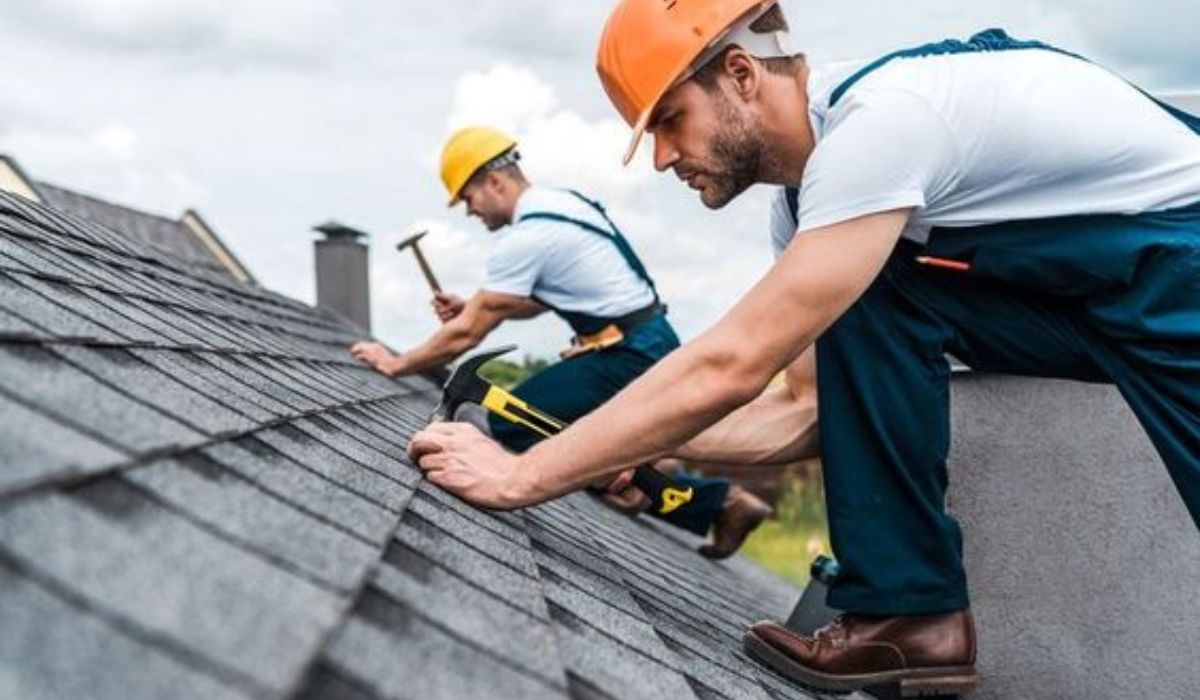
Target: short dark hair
{"points": [[771, 21]]}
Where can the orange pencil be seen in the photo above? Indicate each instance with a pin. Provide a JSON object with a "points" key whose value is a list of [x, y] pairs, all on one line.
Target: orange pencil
{"points": [[956, 265]]}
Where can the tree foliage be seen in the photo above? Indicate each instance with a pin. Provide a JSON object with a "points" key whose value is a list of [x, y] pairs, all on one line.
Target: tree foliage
{"points": [[507, 374]]}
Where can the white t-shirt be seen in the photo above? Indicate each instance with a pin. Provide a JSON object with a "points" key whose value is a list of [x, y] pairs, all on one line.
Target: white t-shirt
{"points": [[978, 138], [561, 263]]}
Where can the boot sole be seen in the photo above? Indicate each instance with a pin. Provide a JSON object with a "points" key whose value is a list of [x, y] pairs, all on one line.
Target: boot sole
{"points": [[912, 682]]}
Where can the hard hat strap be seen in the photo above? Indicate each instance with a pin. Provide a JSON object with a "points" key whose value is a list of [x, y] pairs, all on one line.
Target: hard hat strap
{"points": [[505, 159], [764, 45]]}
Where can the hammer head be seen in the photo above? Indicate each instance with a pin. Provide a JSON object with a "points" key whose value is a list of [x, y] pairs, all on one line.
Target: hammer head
{"points": [[411, 240], [465, 385]]}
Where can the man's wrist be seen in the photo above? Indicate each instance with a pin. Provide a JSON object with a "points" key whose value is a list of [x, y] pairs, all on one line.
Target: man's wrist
{"points": [[395, 365], [523, 488]]}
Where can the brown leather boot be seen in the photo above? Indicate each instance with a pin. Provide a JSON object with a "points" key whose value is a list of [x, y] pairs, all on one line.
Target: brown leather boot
{"points": [[741, 513], [922, 654]]}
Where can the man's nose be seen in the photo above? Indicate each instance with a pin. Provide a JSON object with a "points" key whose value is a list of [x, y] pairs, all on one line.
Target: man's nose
{"points": [[665, 154]]}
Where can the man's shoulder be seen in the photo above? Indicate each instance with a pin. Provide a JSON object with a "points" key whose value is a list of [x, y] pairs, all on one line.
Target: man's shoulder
{"points": [[558, 204], [946, 73], [555, 200]]}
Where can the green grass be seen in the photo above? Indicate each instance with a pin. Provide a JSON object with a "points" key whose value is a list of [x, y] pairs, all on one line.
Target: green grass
{"points": [[787, 543]]}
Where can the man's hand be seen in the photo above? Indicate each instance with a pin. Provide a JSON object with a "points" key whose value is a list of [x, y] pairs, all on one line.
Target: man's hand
{"points": [[468, 464], [447, 306], [620, 493], [376, 356]]}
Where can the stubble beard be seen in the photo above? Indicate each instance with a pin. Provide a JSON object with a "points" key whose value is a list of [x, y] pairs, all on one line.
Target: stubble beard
{"points": [[738, 152]]}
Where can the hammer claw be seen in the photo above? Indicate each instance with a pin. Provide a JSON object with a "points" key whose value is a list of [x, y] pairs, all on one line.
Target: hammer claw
{"points": [[465, 385]]}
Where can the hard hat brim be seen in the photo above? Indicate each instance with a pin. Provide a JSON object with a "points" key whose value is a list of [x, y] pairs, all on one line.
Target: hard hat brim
{"points": [[639, 128]]}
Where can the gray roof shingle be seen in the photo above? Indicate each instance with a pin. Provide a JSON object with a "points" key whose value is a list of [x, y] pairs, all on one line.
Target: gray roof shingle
{"points": [[169, 236], [202, 495]]}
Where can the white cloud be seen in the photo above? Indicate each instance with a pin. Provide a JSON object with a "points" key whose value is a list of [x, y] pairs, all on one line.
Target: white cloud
{"points": [[566, 148], [278, 30], [504, 96], [118, 141], [273, 115], [536, 28], [558, 145], [112, 162]]}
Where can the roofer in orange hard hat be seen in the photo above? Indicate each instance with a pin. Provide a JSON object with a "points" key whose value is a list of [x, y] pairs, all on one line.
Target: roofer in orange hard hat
{"points": [[953, 197], [559, 251]]}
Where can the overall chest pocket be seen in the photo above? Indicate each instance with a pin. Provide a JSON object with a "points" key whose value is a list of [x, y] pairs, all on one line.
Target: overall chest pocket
{"points": [[1038, 271], [1069, 257]]}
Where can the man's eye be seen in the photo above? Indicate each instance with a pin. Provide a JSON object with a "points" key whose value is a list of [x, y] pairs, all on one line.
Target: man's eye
{"points": [[663, 121]]}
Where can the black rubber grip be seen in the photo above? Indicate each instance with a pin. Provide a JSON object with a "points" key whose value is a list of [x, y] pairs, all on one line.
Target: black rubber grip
{"points": [[654, 483]]}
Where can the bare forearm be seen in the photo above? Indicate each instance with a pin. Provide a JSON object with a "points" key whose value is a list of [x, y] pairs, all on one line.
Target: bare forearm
{"points": [[444, 346], [775, 428], [778, 427], [686, 392]]}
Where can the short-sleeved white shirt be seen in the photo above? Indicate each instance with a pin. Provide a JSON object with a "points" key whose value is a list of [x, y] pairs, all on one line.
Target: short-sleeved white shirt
{"points": [[979, 138], [563, 264]]}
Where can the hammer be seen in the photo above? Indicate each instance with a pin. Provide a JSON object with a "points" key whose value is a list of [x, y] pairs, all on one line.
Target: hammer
{"points": [[412, 242], [466, 386]]}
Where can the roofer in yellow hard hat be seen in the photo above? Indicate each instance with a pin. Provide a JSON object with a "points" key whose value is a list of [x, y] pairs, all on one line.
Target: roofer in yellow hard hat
{"points": [[953, 197], [559, 251]]}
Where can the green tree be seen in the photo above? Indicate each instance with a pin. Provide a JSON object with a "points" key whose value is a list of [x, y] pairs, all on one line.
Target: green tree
{"points": [[507, 374]]}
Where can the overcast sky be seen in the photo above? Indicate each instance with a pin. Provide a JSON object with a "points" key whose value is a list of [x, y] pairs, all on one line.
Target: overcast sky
{"points": [[270, 116]]}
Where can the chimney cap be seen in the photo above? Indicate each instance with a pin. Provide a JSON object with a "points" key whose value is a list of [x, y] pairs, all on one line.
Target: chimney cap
{"points": [[335, 230]]}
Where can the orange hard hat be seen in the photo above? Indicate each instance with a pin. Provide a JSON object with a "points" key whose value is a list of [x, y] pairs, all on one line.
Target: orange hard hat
{"points": [[648, 45]]}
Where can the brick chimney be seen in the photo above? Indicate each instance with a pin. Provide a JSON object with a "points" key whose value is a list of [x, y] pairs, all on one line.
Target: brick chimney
{"points": [[343, 281]]}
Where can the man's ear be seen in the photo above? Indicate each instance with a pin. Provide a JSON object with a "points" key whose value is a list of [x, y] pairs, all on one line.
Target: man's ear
{"points": [[493, 181], [743, 73]]}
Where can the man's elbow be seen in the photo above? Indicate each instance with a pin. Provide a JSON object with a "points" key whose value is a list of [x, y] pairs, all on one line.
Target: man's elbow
{"points": [[730, 379]]}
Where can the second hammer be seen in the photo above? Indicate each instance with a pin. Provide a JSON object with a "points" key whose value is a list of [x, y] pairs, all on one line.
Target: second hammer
{"points": [[414, 243]]}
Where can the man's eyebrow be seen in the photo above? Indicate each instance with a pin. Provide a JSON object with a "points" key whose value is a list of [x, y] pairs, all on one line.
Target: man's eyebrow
{"points": [[655, 117]]}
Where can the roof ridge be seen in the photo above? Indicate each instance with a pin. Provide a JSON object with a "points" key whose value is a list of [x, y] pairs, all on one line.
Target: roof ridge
{"points": [[98, 199]]}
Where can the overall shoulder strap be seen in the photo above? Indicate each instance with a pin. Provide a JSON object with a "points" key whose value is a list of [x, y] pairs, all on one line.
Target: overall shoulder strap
{"points": [[792, 195], [987, 40], [614, 235]]}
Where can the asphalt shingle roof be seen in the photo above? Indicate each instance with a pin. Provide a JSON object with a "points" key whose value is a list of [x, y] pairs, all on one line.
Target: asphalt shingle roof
{"points": [[202, 496], [168, 236]]}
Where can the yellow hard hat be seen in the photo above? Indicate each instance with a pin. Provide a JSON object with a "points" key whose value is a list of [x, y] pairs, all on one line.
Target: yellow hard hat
{"points": [[466, 151]]}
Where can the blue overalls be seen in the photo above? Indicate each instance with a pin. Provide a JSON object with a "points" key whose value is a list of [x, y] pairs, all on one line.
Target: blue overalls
{"points": [[574, 387], [1098, 298]]}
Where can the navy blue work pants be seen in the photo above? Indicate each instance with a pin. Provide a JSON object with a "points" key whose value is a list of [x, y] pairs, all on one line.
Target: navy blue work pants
{"points": [[1113, 299]]}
